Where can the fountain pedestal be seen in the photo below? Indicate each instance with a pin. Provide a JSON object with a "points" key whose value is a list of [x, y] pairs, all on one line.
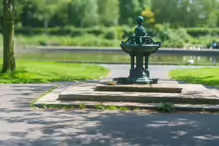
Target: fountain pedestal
{"points": [[139, 47], [139, 73]]}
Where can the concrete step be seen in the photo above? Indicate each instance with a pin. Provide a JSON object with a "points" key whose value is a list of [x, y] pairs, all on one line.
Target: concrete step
{"points": [[147, 98], [158, 88], [191, 94]]}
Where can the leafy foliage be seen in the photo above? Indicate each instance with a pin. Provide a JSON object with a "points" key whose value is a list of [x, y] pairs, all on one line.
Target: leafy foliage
{"points": [[78, 18], [166, 107], [100, 107], [82, 13], [82, 106], [108, 12]]}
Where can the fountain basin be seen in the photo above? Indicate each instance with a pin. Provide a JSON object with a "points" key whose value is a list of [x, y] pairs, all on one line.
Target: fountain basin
{"points": [[140, 48]]}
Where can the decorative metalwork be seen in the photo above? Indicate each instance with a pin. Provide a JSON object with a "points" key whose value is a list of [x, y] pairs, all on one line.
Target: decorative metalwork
{"points": [[136, 40], [140, 47]]}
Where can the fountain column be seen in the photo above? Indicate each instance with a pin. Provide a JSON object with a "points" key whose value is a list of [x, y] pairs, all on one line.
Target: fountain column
{"points": [[139, 64], [146, 65], [132, 64]]}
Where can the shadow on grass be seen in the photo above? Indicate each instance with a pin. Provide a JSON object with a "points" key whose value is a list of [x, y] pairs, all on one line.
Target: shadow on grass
{"points": [[21, 125], [12, 77], [24, 76]]}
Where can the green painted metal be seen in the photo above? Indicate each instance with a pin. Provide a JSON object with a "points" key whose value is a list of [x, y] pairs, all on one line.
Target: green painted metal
{"points": [[140, 47]]}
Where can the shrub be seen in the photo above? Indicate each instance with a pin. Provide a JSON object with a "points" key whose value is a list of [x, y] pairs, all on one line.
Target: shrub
{"points": [[110, 34], [172, 37], [166, 107]]}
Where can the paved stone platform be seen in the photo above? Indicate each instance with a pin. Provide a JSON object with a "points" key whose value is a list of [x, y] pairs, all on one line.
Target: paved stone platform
{"points": [[194, 97], [21, 125]]}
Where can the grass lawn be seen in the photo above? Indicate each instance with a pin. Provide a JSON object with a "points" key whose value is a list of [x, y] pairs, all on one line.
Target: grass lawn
{"points": [[205, 76], [45, 72]]}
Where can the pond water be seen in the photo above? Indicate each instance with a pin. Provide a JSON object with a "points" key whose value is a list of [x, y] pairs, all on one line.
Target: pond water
{"points": [[112, 58]]}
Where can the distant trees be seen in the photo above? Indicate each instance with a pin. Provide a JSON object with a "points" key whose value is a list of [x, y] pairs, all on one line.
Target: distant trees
{"points": [[46, 10], [163, 18], [129, 9], [186, 13], [83, 13], [108, 12], [1, 8], [88, 13]]}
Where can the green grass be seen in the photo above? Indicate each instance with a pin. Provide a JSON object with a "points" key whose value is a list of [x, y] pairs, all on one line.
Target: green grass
{"points": [[82, 106], [205, 76], [50, 90], [45, 72], [164, 107]]}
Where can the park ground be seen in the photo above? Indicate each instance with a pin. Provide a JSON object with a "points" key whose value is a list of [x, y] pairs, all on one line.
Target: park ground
{"points": [[22, 126]]}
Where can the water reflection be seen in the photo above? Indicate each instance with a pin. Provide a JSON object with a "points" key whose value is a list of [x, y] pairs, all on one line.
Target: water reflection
{"points": [[112, 57]]}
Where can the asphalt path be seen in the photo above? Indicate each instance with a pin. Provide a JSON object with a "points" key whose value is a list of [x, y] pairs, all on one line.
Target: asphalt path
{"points": [[22, 126], [156, 71]]}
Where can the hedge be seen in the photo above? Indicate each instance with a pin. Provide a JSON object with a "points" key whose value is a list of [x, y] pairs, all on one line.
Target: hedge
{"points": [[111, 33], [108, 33], [201, 31]]}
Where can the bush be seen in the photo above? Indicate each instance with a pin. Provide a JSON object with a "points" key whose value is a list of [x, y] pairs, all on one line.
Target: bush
{"points": [[122, 31], [95, 31], [172, 37], [110, 34]]}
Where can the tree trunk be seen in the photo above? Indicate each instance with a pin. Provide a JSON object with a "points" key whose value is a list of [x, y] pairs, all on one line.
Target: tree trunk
{"points": [[8, 37]]}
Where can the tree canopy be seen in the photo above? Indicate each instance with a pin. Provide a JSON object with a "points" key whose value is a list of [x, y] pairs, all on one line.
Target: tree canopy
{"points": [[88, 13]]}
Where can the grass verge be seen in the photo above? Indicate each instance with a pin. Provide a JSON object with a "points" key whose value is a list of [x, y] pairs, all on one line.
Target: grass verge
{"points": [[49, 91], [205, 76], [163, 107], [82, 106], [46, 72]]}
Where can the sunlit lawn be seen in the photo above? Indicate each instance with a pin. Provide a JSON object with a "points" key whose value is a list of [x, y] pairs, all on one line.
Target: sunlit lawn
{"points": [[205, 76], [44, 72]]}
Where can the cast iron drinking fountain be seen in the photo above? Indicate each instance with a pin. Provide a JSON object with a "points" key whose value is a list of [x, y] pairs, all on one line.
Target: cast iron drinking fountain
{"points": [[139, 47]]}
